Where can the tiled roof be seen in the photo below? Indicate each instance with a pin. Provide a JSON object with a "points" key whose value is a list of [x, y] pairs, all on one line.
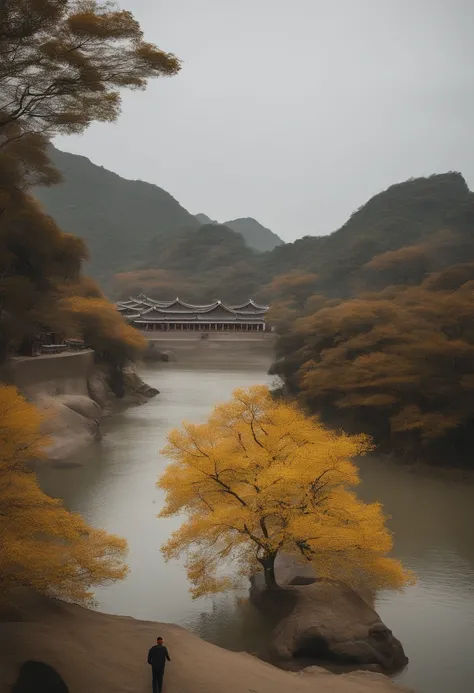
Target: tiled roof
{"points": [[143, 309]]}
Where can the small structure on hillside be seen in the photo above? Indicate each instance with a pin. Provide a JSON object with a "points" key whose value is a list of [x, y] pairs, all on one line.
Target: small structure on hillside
{"points": [[147, 314]]}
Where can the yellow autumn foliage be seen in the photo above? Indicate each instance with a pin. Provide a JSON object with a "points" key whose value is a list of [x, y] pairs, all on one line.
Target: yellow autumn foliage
{"points": [[44, 546], [261, 478], [103, 328]]}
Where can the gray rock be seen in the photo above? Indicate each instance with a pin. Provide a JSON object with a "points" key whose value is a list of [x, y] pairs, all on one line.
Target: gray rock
{"points": [[327, 621], [82, 405]]}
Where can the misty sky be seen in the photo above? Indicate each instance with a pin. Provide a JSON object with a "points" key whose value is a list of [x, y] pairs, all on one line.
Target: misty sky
{"points": [[296, 112]]}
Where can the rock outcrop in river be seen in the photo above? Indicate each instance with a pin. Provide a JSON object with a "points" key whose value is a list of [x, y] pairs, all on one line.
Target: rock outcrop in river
{"points": [[327, 621], [92, 652], [75, 393], [323, 621]]}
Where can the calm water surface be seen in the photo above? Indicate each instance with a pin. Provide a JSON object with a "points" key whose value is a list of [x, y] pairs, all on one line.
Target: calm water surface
{"points": [[433, 521]]}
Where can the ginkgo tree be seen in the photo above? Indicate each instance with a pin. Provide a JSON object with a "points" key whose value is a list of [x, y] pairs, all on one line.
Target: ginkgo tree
{"points": [[261, 478], [43, 546]]}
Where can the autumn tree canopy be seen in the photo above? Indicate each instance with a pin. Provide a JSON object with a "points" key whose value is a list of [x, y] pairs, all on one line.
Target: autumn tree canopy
{"points": [[398, 365], [102, 327], [43, 545], [295, 287], [260, 478], [63, 64], [42, 288], [37, 262]]}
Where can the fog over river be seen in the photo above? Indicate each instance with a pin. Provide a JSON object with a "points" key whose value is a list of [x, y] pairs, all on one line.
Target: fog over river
{"points": [[433, 521]]}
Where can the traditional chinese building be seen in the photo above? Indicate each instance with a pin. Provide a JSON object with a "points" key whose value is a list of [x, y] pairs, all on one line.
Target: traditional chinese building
{"points": [[147, 314]]}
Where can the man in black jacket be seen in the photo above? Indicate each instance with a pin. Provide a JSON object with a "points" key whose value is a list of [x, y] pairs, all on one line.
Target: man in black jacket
{"points": [[157, 657]]}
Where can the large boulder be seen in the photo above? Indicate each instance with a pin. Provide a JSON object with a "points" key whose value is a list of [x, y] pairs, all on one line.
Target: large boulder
{"points": [[98, 386], [108, 387], [71, 423], [82, 405], [328, 622], [136, 390]]}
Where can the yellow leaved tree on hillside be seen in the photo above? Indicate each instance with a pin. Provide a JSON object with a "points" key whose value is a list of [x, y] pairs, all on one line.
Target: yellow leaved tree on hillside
{"points": [[103, 328], [44, 546], [261, 478]]}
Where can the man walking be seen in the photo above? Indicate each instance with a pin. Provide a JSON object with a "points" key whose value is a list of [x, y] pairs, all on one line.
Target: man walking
{"points": [[157, 657]]}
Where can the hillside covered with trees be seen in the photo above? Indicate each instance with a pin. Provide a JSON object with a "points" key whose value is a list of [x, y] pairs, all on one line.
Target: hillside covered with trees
{"points": [[118, 219], [102, 209], [413, 213], [213, 261], [254, 234], [391, 352]]}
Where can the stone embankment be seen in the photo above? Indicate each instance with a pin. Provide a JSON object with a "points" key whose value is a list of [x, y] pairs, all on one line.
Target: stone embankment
{"points": [[84, 651], [74, 393]]}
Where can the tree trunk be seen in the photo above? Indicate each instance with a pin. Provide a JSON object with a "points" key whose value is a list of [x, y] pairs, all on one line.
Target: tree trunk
{"points": [[268, 564]]}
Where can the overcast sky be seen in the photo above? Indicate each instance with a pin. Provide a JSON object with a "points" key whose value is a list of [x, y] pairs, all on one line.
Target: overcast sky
{"points": [[296, 112]]}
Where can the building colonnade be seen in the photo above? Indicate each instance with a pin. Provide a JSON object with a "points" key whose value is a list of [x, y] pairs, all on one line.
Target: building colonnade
{"points": [[201, 326]]}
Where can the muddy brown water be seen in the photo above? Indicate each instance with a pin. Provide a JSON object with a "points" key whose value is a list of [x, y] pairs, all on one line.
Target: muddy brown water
{"points": [[112, 484]]}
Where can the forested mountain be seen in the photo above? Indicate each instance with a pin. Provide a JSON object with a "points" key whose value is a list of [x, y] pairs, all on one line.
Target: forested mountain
{"points": [[132, 228], [211, 263], [116, 217], [380, 338], [255, 235], [403, 215], [204, 219], [213, 246], [404, 218]]}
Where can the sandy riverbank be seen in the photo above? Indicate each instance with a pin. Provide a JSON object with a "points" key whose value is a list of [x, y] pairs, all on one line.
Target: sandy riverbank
{"points": [[95, 652]]}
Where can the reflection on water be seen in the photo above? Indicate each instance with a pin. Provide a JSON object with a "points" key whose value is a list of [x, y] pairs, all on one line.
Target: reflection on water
{"points": [[432, 520]]}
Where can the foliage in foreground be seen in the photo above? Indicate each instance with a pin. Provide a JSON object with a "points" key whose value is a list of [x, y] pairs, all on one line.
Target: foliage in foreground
{"points": [[261, 478], [44, 546]]}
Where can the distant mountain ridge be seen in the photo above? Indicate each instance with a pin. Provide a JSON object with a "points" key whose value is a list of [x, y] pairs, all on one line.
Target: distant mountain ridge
{"points": [[255, 235], [119, 218], [204, 219], [210, 264], [140, 232]]}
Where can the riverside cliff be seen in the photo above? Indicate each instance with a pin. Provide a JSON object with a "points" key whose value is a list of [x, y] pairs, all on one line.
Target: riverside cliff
{"points": [[92, 651], [75, 393]]}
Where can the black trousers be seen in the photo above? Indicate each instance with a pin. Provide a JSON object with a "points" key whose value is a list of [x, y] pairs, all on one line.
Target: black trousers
{"points": [[157, 679]]}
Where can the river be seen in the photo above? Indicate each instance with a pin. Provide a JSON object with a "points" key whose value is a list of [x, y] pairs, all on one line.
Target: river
{"points": [[113, 486]]}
